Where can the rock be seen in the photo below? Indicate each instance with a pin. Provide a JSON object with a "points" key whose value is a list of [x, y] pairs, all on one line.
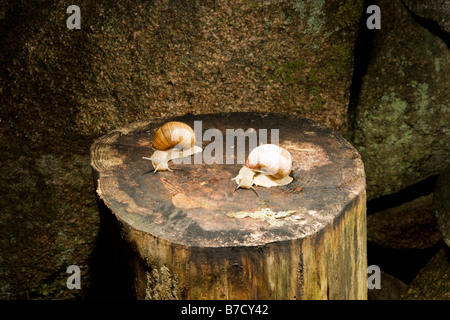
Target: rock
{"points": [[408, 226], [49, 221], [437, 10], [441, 204], [433, 281], [391, 288], [138, 59], [402, 117]]}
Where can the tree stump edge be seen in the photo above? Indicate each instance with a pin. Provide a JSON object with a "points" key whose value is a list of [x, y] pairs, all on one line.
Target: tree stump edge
{"points": [[160, 275]]}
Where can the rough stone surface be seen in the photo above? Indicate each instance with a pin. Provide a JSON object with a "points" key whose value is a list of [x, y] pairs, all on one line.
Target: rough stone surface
{"points": [[139, 59], [408, 226], [49, 221], [433, 281], [436, 10], [401, 127], [391, 288], [441, 204]]}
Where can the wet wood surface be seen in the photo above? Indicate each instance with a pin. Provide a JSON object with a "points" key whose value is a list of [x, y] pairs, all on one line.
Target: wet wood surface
{"points": [[189, 226]]}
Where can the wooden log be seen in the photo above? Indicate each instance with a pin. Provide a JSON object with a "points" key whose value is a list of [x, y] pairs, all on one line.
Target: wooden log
{"points": [[194, 237]]}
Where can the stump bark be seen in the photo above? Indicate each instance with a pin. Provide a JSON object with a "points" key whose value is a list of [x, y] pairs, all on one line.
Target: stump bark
{"points": [[194, 237]]}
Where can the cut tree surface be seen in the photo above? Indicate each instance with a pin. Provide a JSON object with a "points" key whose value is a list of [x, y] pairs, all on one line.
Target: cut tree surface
{"points": [[194, 237]]}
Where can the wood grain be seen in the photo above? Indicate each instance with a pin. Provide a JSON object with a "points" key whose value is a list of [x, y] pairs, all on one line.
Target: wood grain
{"points": [[305, 240]]}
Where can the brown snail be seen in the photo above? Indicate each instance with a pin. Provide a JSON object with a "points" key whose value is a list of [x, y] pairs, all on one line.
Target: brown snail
{"points": [[171, 141], [268, 165]]}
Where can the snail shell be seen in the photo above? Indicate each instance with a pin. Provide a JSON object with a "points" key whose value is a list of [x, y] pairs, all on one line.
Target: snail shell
{"points": [[267, 165], [271, 160], [174, 134], [172, 140]]}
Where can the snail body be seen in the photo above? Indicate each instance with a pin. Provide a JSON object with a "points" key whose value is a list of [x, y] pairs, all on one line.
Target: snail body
{"points": [[171, 141], [267, 165]]}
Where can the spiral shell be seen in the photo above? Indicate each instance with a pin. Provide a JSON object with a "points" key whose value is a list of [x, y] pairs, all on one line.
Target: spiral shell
{"points": [[271, 160], [174, 134], [171, 141], [268, 166]]}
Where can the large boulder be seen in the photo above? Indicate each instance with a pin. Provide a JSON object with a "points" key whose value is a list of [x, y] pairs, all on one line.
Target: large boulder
{"points": [[402, 117], [411, 225], [49, 220], [138, 59]]}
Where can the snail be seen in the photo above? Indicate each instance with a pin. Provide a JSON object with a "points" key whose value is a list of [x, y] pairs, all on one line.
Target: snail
{"points": [[268, 165], [171, 141]]}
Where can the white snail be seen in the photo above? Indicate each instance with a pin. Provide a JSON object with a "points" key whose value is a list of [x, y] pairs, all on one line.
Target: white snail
{"points": [[172, 140], [267, 165]]}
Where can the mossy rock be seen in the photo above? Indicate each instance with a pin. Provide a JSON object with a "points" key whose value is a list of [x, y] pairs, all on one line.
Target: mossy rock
{"points": [[433, 281], [138, 59], [437, 11], [403, 113]]}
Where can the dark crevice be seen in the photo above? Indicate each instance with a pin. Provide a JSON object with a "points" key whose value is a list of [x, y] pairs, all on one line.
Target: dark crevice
{"points": [[111, 274], [402, 264], [430, 25], [362, 55], [408, 194]]}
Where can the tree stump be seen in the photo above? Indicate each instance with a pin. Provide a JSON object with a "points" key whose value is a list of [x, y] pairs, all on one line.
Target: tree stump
{"points": [[195, 237]]}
